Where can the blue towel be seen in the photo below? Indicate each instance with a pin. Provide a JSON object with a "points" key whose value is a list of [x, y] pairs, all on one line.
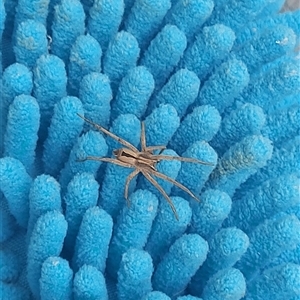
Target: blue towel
{"points": [[217, 81]]}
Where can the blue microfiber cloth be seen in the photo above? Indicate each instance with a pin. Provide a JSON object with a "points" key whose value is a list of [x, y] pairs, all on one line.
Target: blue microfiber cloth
{"points": [[218, 81]]}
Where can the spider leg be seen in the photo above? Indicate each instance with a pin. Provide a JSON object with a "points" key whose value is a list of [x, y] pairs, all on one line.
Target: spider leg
{"points": [[153, 148], [113, 136], [109, 160], [143, 142], [143, 137], [186, 159], [128, 180], [155, 183], [181, 186]]}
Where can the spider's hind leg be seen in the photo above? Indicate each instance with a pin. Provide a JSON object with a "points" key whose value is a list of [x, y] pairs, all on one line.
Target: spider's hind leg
{"points": [[156, 184], [181, 186], [128, 180]]}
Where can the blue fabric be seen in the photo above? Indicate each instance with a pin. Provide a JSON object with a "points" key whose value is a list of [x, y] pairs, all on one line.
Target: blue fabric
{"points": [[85, 57], [194, 250], [95, 94], [132, 228], [134, 275], [67, 24], [46, 240], [237, 13], [225, 283], [81, 194], [228, 80], [145, 19], [93, 239], [263, 48], [189, 16], [61, 287], [64, 125], [104, 20], [89, 283], [44, 196], [218, 81], [115, 65], [180, 91], [48, 68], [30, 42], [164, 53], [127, 99], [225, 249], [210, 46], [22, 121]]}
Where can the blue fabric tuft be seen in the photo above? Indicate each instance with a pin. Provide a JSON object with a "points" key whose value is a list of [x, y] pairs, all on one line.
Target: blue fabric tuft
{"points": [[9, 266], [208, 121], [89, 283], [63, 132], [82, 193], [46, 240], [121, 55], [216, 81], [44, 196], [104, 19], [269, 240], [12, 171], [93, 239], [68, 24], [225, 249], [172, 273], [263, 48], [180, 91], [210, 213], [163, 232], [239, 162], [236, 14], [164, 53], [88, 144], [189, 16], [85, 57], [31, 42], [134, 92], [210, 46], [134, 275], [156, 296], [132, 227], [280, 281], [95, 94], [21, 134], [224, 85], [56, 279], [145, 18], [229, 282], [34, 10]]}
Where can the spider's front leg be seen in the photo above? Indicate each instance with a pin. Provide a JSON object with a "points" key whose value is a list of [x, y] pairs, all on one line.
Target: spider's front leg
{"points": [[146, 148], [107, 159], [110, 134]]}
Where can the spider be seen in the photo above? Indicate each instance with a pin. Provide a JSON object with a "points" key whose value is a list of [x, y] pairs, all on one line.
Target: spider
{"points": [[143, 161]]}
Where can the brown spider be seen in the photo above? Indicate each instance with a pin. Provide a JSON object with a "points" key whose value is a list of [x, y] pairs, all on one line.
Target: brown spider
{"points": [[143, 161]]}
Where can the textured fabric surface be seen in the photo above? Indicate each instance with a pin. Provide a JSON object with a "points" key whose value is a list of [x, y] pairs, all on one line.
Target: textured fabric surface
{"points": [[218, 81]]}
